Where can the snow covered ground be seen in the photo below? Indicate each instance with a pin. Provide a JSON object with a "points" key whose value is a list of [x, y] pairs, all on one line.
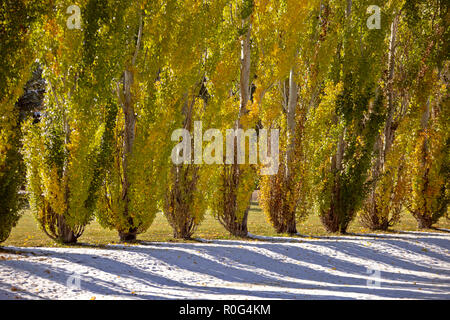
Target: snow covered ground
{"points": [[406, 265]]}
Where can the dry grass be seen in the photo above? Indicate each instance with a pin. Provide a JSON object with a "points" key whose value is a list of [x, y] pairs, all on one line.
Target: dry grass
{"points": [[27, 232]]}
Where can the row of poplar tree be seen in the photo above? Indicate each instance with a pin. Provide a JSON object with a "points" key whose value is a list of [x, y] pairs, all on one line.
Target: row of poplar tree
{"points": [[362, 112]]}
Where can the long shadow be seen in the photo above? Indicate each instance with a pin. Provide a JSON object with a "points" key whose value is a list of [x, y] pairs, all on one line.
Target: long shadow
{"points": [[435, 241], [221, 268], [344, 264], [352, 248], [440, 240], [441, 229], [7, 294], [298, 237], [240, 277], [358, 248], [334, 282], [423, 233], [370, 257], [443, 243], [417, 249], [148, 279], [11, 250], [60, 275], [349, 236], [376, 236]]}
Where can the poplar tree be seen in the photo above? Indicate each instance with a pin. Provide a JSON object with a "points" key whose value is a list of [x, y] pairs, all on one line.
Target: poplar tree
{"points": [[17, 24], [428, 166], [348, 117], [193, 61], [131, 44], [234, 182], [384, 203], [284, 42], [61, 151]]}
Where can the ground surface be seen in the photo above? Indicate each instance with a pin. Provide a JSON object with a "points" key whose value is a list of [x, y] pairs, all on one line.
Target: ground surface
{"points": [[401, 265], [27, 233]]}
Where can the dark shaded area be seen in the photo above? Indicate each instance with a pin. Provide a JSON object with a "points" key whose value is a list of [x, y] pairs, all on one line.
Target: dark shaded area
{"points": [[339, 267]]}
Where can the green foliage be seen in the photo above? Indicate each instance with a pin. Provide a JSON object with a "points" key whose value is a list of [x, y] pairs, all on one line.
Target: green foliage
{"points": [[17, 21], [347, 121], [10, 183], [363, 124], [65, 153]]}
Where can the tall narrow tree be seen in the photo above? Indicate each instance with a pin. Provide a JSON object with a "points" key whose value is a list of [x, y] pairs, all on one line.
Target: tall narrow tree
{"points": [[348, 117], [282, 58], [61, 150], [19, 21]]}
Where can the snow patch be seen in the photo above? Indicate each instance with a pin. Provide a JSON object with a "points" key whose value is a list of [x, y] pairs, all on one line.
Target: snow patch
{"points": [[410, 265]]}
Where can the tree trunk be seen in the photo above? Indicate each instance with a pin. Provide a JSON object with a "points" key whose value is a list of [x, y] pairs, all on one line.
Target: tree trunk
{"points": [[178, 206], [231, 176], [290, 119], [290, 224], [66, 234], [348, 10], [424, 218], [126, 99], [424, 221], [389, 130], [128, 236], [242, 229], [384, 140]]}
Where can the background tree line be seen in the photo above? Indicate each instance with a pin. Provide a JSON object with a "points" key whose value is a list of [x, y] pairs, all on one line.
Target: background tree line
{"points": [[86, 114]]}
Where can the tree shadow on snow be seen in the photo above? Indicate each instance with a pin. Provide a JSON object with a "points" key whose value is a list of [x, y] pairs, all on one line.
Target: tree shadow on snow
{"points": [[327, 269]]}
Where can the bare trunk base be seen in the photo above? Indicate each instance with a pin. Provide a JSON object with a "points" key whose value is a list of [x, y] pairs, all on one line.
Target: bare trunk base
{"points": [[423, 222], [331, 222], [227, 217], [233, 225], [129, 236], [65, 234], [182, 236], [384, 226], [370, 219], [289, 228], [287, 224], [179, 201], [238, 229], [276, 204], [68, 237], [185, 231]]}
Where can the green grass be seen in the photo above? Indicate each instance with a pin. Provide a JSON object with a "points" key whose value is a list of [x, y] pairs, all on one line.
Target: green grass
{"points": [[28, 234]]}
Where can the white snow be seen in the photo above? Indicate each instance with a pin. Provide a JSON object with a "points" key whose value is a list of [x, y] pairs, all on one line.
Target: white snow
{"points": [[407, 265]]}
